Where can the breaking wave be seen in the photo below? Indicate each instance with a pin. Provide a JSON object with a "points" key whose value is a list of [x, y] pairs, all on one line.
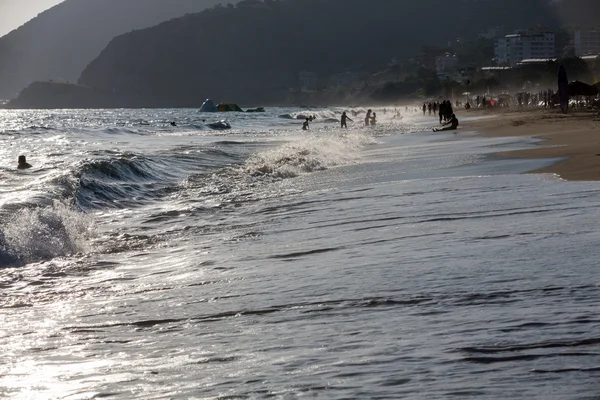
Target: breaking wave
{"points": [[38, 234], [295, 158]]}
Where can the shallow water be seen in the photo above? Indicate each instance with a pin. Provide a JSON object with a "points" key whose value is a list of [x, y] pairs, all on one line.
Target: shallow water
{"points": [[148, 261]]}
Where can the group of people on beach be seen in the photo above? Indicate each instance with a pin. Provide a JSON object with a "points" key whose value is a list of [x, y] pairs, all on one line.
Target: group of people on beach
{"points": [[444, 109]]}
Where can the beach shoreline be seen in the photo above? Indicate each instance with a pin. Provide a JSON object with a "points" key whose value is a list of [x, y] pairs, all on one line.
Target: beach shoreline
{"points": [[573, 137]]}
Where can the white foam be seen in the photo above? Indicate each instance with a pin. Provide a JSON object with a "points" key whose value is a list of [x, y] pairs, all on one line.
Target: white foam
{"points": [[311, 153], [44, 233]]}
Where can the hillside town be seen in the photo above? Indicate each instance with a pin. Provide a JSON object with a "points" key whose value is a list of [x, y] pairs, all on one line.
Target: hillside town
{"points": [[520, 66]]}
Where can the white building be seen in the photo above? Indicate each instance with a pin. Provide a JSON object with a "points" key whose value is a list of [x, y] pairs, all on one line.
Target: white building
{"points": [[514, 48], [587, 42], [445, 63]]}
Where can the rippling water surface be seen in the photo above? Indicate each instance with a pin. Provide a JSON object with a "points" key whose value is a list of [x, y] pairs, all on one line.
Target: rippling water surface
{"points": [[144, 260]]}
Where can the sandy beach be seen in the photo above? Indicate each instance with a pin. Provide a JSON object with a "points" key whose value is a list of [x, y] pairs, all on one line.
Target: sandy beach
{"points": [[574, 137]]}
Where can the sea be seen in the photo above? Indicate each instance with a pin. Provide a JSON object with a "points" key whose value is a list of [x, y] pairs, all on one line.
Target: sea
{"points": [[145, 260]]}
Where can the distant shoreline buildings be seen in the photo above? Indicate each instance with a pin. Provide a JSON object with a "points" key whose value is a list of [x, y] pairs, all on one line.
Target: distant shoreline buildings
{"points": [[586, 42], [514, 48]]}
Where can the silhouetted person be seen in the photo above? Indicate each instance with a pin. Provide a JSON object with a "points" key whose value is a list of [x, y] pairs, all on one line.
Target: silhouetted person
{"points": [[23, 164], [374, 119], [305, 125], [343, 120], [368, 118], [453, 125], [173, 123]]}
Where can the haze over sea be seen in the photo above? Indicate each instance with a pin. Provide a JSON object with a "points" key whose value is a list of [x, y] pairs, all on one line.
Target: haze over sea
{"points": [[144, 260]]}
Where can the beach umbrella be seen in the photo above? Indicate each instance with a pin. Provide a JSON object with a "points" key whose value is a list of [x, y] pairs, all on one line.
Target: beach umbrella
{"points": [[578, 88]]}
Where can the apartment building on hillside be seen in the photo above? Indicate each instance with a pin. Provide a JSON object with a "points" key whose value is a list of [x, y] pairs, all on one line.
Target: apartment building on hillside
{"points": [[514, 48]]}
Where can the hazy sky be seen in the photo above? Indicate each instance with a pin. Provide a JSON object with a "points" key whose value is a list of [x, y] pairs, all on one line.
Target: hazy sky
{"points": [[14, 13]]}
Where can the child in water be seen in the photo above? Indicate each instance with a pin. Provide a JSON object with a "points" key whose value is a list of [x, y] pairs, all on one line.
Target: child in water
{"points": [[305, 125]]}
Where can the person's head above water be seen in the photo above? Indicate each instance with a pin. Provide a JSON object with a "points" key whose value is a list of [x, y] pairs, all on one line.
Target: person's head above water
{"points": [[23, 163]]}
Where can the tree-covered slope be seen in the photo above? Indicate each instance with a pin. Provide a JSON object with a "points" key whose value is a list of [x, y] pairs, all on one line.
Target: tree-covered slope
{"points": [[255, 51], [60, 42]]}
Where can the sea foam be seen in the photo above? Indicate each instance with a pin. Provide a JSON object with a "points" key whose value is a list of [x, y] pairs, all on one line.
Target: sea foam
{"points": [[38, 234]]}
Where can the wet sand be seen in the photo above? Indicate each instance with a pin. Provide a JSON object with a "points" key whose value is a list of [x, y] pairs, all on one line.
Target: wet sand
{"points": [[574, 137]]}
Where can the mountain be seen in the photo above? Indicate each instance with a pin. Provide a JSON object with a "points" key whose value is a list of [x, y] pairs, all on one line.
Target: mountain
{"points": [[60, 42], [258, 52], [254, 52]]}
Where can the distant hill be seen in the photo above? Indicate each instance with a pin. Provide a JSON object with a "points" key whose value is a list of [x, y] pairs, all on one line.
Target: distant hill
{"points": [[60, 42], [253, 53], [256, 51]]}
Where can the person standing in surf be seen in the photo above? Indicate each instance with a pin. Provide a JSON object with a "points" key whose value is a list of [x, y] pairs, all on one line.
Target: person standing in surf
{"points": [[305, 125], [374, 119], [343, 120], [368, 118]]}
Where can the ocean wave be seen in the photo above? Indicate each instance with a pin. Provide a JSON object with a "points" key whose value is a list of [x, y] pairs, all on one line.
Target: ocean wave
{"points": [[121, 181], [129, 180], [249, 180], [119, 131], [312, 154], [39, 234], [320, 115]]}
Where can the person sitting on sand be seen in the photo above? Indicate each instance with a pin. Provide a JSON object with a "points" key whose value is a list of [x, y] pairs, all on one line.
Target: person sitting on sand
{"points": [[453, 124], [23, 164], [344, 118], [305, 125]]}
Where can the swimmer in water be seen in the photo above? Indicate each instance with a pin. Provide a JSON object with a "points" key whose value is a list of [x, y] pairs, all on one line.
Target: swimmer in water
{"points": [[23, 164]]}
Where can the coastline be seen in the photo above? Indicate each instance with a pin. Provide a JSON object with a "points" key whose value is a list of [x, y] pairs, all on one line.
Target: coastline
{"points": [[574, 137]]}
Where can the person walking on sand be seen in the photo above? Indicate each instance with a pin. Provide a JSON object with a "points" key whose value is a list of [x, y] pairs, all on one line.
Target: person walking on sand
{"points": [[23, 164], [368, 118], [343, 120]]}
